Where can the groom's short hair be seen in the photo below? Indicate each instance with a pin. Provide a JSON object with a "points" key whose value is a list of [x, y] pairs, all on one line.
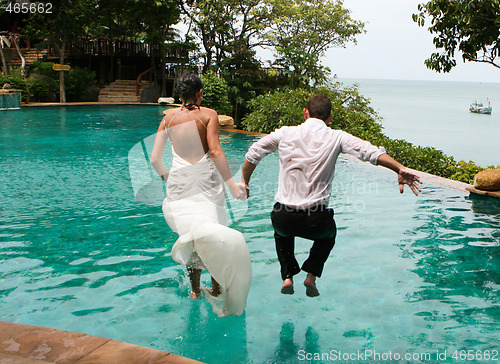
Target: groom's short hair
{"points": [[320, 107]]}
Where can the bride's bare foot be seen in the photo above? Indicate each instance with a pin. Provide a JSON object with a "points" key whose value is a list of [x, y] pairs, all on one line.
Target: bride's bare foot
{"points": [[195, 295], [287, 287], [216, 289], [310, 283]]}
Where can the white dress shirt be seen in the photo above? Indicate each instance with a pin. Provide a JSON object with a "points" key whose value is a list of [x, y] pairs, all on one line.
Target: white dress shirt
{"points": [[307, 154]]}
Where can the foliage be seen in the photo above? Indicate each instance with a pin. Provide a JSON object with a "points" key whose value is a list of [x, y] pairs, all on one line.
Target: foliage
{"points": [[225, 27], [78, 81], [242, 73], [149, 21], [303, 30], [302, 68], [465, 171], [43, 68], [41, 90], [68, 21], [351, 112], [216, 93], [300, 32], [471, 27], [274, 110], [16, 81]]}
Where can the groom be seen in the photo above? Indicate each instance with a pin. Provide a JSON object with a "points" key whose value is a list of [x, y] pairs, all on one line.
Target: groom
{"points": [[307, 155]]}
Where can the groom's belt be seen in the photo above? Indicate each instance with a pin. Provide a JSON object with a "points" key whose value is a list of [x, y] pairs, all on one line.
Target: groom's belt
{"points": [[319, 207]]}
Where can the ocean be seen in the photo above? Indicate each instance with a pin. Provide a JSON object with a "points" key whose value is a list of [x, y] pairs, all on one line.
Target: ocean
{"points": [[436, 114]]}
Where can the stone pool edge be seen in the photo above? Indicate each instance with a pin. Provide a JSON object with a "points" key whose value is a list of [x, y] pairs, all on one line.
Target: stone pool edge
{"points": [[29, 344], [425, 177]]}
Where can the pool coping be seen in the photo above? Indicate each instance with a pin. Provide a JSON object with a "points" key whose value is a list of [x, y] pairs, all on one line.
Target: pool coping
{"points": [[29, 344], [90, 103], [425, 177]]}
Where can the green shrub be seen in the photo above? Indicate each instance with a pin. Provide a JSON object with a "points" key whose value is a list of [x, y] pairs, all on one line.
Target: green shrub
{"points": [[274, 110], [216, 93], [41, 89], [77, 82], [16, 81], [44, 68], [465, 171], [352, 113]]}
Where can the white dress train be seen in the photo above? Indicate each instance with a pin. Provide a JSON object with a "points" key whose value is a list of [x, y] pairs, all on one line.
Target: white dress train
{"points": [[194, 208]]}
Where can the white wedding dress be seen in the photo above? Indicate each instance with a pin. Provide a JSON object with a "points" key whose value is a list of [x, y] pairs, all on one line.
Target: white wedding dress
{"points": [[194, 208]]}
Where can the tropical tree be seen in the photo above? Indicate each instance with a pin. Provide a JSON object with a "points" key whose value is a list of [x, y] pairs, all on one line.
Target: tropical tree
{"points": [[226, 27], [471, 27], [303, 30], [300, 32], [68, 20], [156, 18], [4, 61]]}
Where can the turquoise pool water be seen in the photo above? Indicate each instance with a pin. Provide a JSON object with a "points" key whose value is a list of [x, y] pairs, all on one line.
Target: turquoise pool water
{"points": [[409, 275]]}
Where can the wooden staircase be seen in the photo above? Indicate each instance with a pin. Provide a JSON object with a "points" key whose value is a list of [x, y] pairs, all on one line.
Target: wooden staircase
{"points": [[120, 91], [30, 56]]}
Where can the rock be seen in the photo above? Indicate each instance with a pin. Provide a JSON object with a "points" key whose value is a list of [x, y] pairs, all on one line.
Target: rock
{"points": [[166, 100], [225, 120], [488, 180]]}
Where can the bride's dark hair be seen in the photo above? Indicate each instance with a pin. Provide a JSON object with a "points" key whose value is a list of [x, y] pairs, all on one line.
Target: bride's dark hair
{"points": [[187, 87]]}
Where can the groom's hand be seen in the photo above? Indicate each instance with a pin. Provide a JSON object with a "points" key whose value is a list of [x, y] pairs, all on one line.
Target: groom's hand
{"points": [[406, 177]]}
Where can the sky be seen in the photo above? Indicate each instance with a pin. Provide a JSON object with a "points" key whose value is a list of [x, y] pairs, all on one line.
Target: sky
{"points": [[394, 47]]}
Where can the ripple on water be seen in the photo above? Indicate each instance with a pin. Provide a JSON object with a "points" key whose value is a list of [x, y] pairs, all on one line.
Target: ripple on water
{"points": [[407, 273], [118, 260]]}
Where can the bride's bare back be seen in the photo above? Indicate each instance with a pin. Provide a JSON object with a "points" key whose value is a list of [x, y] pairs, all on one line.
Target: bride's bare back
{"points": [[187, 130]]}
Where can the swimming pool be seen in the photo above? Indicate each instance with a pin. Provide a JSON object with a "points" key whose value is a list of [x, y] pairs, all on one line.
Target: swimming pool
{"points": [[408, 275]]}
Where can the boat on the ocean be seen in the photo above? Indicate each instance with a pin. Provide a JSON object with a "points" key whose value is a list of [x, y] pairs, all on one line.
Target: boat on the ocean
{"points": [[479, 108]]}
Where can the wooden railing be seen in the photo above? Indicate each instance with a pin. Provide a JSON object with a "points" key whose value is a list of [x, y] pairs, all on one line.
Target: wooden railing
{"points": [[108, 47]]}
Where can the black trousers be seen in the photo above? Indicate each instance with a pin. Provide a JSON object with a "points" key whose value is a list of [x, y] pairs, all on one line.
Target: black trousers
{"points": [[315, 224]]}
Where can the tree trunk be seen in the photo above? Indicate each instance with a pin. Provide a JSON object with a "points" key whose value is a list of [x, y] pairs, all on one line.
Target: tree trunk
{"points": [[163, 71], [62, 49], [23, 64], [4, 62], [62, 89], [153, 66], [208, 51]]}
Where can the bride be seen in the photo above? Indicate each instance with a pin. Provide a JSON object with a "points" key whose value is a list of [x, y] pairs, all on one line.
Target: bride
{"points": [[194, 203]]}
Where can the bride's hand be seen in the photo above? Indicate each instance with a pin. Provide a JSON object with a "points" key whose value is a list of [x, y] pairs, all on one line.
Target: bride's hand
{"points": [[238, 190]]}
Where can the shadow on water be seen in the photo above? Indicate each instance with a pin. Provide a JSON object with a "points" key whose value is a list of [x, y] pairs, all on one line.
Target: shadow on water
{"points": [[456, 248], [206, 336], [288, 351], [485, 205]]}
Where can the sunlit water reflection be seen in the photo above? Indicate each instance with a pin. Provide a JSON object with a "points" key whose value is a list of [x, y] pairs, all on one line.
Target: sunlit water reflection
{"points": [[407, 275]]}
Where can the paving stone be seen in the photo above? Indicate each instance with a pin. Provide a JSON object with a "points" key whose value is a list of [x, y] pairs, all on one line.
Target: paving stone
{"points": [[38, 343], [116, 352], [176, 359], [14, 359]]}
